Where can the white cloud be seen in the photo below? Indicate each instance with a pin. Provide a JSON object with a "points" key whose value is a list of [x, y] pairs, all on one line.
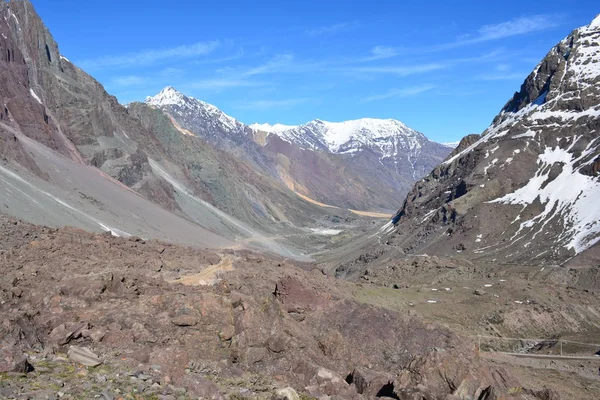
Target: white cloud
{"points": [[514, 27], [221, 83], [381, 52], [401, 70], [148, 57], [329, 29], [517, 26], [405, 92], [280, 62]]}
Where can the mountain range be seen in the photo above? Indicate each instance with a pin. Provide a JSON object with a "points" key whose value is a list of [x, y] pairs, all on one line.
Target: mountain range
{"points": [[363, 165], [164, 249], [186, 170]]}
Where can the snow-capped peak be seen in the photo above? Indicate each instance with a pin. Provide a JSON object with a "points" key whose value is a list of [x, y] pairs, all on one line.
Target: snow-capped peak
{"points": [[277, 128], [452, 145], [189, 106], [388, 137], [167, 96], [337, 134]]}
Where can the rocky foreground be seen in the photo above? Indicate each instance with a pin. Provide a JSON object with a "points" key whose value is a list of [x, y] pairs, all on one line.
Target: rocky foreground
{"points": [[94, 316]]}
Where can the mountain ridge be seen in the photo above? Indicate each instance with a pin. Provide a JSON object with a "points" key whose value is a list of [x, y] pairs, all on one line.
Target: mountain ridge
{"points": [[528, 186], [365, 164]]}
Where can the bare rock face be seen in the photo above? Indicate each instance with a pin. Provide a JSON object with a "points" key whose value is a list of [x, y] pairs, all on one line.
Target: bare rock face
{"points": [[524, 190]]}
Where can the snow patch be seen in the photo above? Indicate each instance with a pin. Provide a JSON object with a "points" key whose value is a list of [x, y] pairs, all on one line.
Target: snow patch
{"points": [[277, 128], [326, 232], [113, 231], [571, 196], [35, 96]]}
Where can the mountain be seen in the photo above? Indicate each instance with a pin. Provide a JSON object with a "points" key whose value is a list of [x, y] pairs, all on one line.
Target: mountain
{"points": [[382, 159], [72, 155], [361, 165], [389, 139], [527, 189]]}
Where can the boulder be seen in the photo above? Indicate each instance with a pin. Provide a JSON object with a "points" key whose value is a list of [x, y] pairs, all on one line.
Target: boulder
{"points": [[64, 333], [84, 356], [13, 360], [369, 383], [329, 383], [185, 317], [287, 393]]}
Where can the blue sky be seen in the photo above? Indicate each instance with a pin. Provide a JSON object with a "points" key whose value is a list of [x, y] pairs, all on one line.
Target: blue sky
{"points": [[444, 68]]}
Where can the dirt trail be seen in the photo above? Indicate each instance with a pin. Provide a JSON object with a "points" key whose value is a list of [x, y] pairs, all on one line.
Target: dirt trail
{"points": [[208, 276]]}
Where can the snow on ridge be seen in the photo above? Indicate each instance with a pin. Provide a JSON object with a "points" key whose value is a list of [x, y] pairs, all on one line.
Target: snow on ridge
{"points": [[336, 134], [277, 128], [452, 145], [387, 136], [169, 96], [582, 69], [571, 196]]}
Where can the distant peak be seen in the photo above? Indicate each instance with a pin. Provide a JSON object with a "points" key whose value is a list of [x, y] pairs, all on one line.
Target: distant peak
{"points": [[169, 89], [277, 128], [167, 96]]}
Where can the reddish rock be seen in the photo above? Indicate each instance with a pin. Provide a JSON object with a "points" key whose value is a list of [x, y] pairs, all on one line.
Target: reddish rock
{"points": [[13, 360]]}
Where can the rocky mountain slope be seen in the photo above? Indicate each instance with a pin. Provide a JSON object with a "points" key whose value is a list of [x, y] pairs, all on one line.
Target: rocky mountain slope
{"points": [[365, 164], [56, 118], [527, 189], [189, 323], [211, 124], [386, 154]]}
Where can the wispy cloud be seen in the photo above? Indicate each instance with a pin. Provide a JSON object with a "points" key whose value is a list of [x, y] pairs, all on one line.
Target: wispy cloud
{"points": [[171, 72], [277, 64], [506, 76], [518, 26], [514, 27], [405, 92], [272, 104], [381, 53], [222, 83], [236, 56], [131, 80], [502, 72], [149, 57], [401, 70], [330, 29]]}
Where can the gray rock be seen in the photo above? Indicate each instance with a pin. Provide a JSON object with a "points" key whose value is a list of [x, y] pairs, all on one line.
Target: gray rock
{"points": [[84, 356], [287, 393]]}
